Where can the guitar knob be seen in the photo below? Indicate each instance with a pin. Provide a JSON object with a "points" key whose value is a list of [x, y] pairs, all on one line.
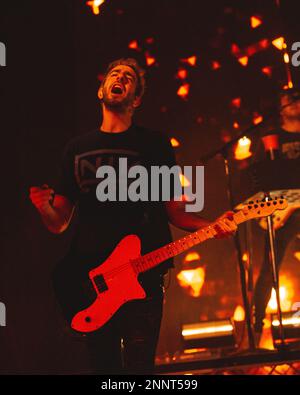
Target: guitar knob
{"points": [[88, 319]]}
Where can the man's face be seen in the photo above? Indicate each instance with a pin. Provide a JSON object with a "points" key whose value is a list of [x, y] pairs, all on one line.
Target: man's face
{"points": [[292, 111], [118, 91]]}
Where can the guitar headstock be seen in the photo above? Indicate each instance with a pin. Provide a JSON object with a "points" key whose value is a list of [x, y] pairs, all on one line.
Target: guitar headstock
{"points": [[264, 207]]}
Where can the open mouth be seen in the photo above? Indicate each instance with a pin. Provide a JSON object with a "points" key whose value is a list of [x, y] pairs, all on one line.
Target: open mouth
{"points": [[117, 89]]}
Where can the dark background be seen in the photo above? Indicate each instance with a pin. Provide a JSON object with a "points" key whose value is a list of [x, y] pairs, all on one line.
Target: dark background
{"points": [[55, 53]]}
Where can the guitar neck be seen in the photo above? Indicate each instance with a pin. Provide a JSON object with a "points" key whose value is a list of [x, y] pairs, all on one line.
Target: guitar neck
{"points": [[154, 258]]}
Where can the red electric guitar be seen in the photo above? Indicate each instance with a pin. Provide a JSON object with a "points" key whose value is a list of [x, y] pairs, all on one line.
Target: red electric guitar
{"points": [[115, 281]]}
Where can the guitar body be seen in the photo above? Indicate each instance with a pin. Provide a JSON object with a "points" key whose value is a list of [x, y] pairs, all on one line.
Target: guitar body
{"points": [[118, 284], [88, 299]]}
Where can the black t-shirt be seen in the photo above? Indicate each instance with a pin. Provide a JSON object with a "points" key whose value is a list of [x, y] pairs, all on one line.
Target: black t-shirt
{"points": [[101, 225], [289, 144]]}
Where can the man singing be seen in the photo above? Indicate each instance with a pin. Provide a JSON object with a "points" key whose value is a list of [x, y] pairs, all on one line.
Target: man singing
{"points": [[127, 342]]}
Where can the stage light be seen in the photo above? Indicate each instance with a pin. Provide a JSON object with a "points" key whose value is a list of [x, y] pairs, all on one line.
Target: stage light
{"points": [[255, 21], [239, 314], [192, 280], [254, 48], [242, 150], [243, 60], [286, 58], [215, 65], [182, 74], [257, 119], [134, 45], [183, 91], [291, 328], [191, 257], [286, 294], [235, 50], [236, 125], [267, 71], [174, 142], [209, 334], [150, 60], [95, 5], [236, 103], [192, 60], [279, 43]]}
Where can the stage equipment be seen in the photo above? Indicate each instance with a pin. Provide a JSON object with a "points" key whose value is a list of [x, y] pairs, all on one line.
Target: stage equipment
{"points": [[291, 328], [209, 334]]}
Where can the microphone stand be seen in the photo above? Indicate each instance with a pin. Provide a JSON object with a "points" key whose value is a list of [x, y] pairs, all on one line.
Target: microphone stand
{"points": [[224, 152], [238, 248]]}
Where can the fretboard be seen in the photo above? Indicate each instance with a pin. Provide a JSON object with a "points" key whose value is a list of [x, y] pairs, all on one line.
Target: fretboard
{"points": [[154, 258]]}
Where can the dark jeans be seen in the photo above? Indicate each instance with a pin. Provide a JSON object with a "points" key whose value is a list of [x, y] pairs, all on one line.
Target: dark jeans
{"points": [[127, 343], [264, 284]]}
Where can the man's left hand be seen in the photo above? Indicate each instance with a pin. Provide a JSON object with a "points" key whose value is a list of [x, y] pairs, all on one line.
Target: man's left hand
{"points": [[225, 225]]}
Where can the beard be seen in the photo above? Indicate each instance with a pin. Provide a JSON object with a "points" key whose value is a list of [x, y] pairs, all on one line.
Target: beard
{"points": [[117, 103]]}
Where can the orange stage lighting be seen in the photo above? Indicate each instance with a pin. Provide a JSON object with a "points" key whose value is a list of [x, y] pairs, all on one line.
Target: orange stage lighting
{"points": [[192, 60], [236, 102], [253, 49], [182, 74], [192, 280], [286, 58], [244, 60], [279, 43], [242, 149], [191, 257], [174, 142], [95, 5], [134, 45], [150, 60], [267, 71], [257, 119], [286, 294], [183, 91], [255, 21], [297, 255], [236, 125], [239, 314]]}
